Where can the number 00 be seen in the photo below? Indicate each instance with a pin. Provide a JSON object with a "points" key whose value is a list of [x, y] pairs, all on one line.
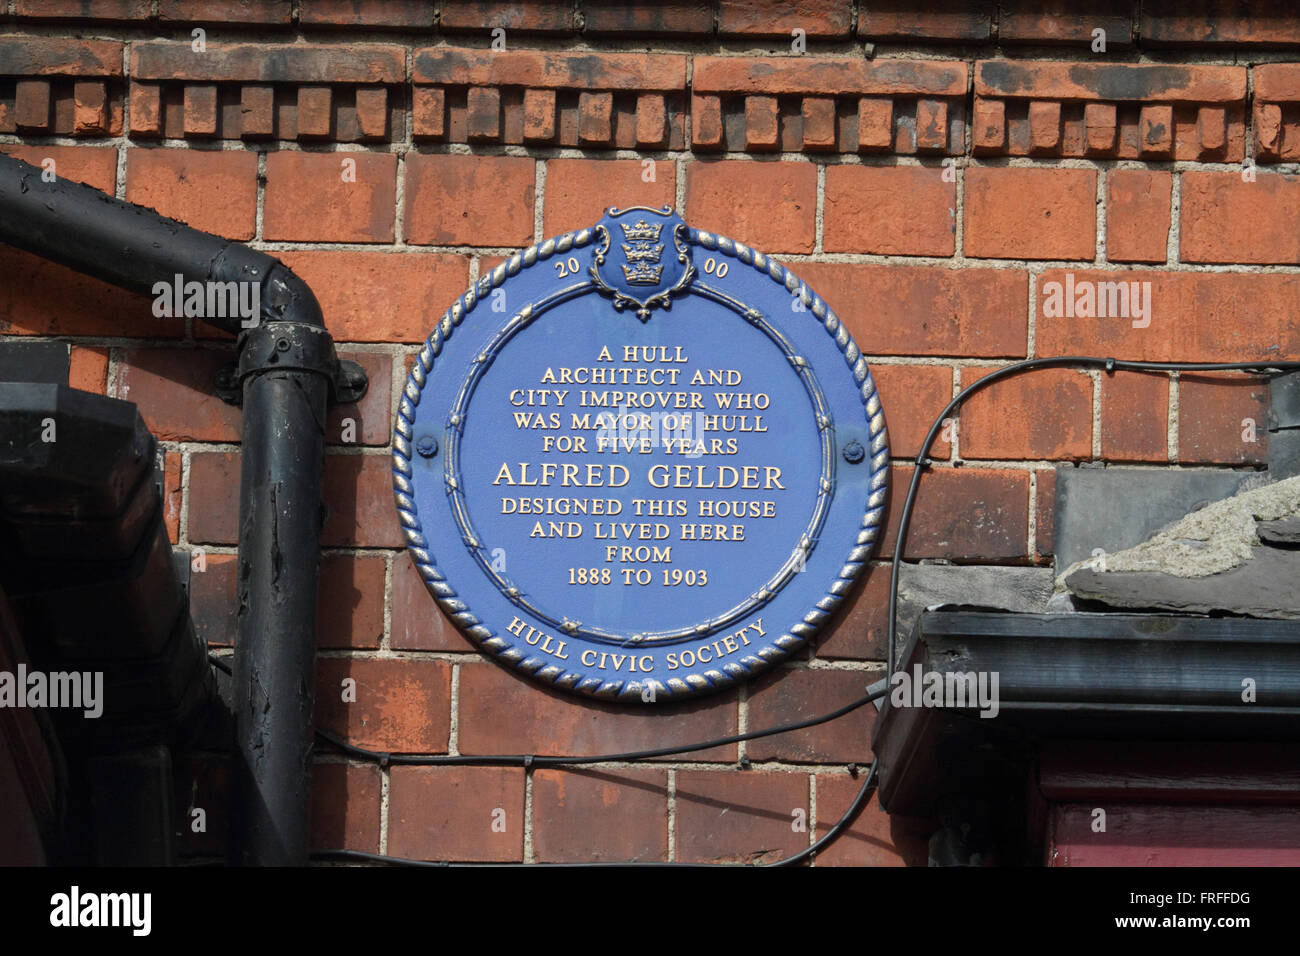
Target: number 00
{"points": [[712, 268]]}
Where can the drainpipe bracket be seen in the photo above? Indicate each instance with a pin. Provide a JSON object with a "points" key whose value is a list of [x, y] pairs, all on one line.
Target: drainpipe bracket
{"points": [[291, 346], [351, 383]]}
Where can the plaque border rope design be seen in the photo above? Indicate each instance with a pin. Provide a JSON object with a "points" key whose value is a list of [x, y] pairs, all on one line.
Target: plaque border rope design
{"points": [[677, 688]]}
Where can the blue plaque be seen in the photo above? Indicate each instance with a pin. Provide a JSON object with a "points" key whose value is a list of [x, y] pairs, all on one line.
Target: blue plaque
{"points": [[640, 462]]}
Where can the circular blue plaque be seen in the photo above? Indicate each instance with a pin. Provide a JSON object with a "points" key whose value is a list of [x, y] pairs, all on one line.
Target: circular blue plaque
{"points": [[640, 462]]}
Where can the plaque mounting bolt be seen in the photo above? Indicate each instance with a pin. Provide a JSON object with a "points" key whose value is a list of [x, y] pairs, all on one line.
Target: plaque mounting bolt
{"points": [[854, 452], [427, 446]]}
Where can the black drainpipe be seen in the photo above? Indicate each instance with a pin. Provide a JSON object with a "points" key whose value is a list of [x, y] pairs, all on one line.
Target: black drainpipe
{"points": [[286, 373]]}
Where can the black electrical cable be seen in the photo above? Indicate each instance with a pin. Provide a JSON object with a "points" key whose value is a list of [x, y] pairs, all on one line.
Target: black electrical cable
{"points": [[825, 840], [842, 824], [923, 462], [533, 760], [522, 760], [1015, 368], [538, 760]]}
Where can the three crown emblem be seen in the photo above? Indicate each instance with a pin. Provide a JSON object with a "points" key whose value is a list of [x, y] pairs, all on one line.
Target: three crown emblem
{"points": [[642, 251]]}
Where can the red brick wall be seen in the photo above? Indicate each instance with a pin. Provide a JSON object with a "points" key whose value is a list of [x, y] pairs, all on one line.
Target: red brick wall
{"points": [[931, 185]]}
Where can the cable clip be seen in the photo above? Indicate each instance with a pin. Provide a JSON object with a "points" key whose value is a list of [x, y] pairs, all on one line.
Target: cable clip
{"points": [[1110, 365], [528, 761]]}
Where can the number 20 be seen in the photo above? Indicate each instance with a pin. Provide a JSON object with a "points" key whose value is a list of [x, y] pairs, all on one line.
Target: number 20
{"points": [[566, 267], [712, 268]]}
